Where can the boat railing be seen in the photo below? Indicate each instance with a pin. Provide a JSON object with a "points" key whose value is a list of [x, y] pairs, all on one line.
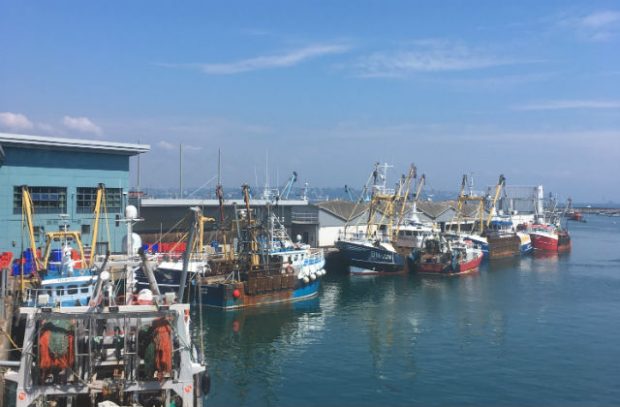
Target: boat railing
{"points": [[375, 237], [72, 293], [314, 256]]}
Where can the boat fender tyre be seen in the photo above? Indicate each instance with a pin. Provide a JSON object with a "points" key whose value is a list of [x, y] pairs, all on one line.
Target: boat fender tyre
{"points": [[455, 261], [202, 384]]}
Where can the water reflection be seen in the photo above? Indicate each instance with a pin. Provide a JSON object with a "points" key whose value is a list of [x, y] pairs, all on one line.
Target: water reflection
{"points": [[247, 349]]}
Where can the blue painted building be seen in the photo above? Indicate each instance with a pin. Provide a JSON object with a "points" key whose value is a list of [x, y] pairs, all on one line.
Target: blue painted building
{"points": [[62, 176]]}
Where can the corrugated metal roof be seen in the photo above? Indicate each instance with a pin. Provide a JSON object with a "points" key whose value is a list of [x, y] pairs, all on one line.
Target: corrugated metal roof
{"points": [[344, 210], [27, 141]]}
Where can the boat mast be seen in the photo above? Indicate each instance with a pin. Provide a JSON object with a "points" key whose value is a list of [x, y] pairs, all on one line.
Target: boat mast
{"points": [[187, 254], [180, 170]]}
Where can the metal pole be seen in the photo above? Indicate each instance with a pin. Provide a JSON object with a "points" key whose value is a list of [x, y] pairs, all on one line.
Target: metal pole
{"points": [[187, 254], [180, 170], [138, 181]]}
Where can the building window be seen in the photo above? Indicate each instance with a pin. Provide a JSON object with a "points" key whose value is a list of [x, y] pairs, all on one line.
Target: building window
{"points": [[39, 232], [87, 197], [44, 199], [85, 229]]}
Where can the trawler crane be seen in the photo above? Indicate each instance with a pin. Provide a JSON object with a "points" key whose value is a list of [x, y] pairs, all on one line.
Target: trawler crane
{"points": [[289, 185], [498, 189], [462, 199]]}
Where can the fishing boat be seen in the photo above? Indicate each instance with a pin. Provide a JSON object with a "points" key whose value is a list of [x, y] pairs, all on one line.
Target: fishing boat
{"points": [[445, 257], [549, 237], [412, 234], [571, 213], [371, 256], [504, 226], [495, 236], [62, 270], [170, 265], [546, 232], [269, 267], [122, 348], [373, 252]]}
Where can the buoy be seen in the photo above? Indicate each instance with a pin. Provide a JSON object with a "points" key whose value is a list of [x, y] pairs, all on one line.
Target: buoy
{"points": [[306, 280], [236, 293], [312, 277], [300, 276], [145, 297]]}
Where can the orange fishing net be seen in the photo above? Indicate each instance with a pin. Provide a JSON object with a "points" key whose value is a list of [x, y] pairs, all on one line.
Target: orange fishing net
{"points": [[162, 338], [49, 359]]}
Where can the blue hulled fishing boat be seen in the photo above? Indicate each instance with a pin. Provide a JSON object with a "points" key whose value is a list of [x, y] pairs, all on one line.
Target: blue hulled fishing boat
{"points": [[372, 252]]}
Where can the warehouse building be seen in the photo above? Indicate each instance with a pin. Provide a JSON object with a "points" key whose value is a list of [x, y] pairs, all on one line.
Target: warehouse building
{"points": [[62, 176]]}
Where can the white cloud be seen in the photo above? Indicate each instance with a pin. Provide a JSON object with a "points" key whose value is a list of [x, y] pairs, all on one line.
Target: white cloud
{"points": [[428, 56], [288, 59], [597, 26], [570, 104], [191, 149], [81, 124], [600, 19], [15, 121], [187, 148], [165, 145]]}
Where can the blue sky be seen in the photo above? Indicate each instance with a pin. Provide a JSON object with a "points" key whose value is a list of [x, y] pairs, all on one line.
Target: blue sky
{"points": [[529, 89]]}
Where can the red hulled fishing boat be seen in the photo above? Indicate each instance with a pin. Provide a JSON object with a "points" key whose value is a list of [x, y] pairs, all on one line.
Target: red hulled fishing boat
{"points": [[550, 238]]}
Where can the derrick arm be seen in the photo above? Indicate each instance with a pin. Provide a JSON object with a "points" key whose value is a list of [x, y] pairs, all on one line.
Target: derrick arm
{"points": [[459, 204], [410, 176], [201, 230], [253, 243], [289, 185], [498, 189], [96, 213], [420, 186], [27, 212]]}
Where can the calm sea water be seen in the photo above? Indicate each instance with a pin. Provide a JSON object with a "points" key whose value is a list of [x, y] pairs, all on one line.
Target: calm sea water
{"points": [[538, 331]]}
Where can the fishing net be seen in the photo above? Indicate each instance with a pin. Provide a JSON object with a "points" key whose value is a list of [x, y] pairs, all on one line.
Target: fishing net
{"points": [[56, 345], [158, 349]]}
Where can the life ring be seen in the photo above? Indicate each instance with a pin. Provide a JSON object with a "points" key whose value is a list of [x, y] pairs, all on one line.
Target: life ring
{"points": [[289, 269]]}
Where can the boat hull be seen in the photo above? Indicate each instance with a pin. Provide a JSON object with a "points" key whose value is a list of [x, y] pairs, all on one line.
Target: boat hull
{"points": [[363, 259], [502, 246], [551, 242], [544, 242], [526, 243], [223, 295], [447, 268]]}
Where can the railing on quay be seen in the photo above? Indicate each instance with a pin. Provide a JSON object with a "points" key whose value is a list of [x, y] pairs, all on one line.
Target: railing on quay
{"points": [[305, 217]]}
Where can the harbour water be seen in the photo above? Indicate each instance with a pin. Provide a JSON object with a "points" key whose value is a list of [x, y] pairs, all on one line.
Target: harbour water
{"points": [[538, 331]]}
